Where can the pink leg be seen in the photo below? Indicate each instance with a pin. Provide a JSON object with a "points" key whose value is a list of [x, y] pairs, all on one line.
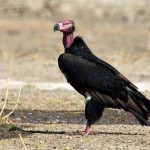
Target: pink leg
{"points": [[87, 130]]}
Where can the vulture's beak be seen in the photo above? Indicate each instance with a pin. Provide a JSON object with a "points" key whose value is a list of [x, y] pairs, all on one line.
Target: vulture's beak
{"points": [[56, 27]]}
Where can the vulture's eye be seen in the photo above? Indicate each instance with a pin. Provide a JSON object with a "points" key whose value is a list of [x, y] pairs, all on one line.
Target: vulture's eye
{"points": [[66, 23]]}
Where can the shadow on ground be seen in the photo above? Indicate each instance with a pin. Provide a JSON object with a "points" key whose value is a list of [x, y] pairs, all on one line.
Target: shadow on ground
{"points": [[48, 122], [110, 116]]}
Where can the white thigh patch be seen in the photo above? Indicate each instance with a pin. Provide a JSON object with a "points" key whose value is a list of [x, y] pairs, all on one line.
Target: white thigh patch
{"points": [[88, 98]]}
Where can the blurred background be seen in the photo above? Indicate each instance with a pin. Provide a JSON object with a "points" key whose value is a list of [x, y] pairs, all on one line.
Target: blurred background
{"points": [[117, 31]]}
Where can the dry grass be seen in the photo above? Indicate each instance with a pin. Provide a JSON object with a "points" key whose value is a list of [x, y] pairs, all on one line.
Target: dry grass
{"points": [[7, 90], [5, 121]]}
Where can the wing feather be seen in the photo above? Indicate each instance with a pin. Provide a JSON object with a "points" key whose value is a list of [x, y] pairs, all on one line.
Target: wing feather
{"points": [[104, 83]]}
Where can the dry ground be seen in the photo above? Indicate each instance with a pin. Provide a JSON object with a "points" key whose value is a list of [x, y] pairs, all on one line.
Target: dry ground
{"points": [[56, 118]]}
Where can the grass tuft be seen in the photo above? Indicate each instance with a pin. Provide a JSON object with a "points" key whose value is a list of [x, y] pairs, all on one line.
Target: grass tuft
{"points": [[5, 123]]}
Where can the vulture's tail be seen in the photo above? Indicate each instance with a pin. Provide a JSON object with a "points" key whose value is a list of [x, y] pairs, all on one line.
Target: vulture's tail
{"points": [[140, 106]]}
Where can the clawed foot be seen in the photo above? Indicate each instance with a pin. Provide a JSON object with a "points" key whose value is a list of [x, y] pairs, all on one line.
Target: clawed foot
{"points": [[88, 130]]}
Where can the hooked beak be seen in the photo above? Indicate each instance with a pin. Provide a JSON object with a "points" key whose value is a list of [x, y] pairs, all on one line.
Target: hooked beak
{"points": [[56, 27]]}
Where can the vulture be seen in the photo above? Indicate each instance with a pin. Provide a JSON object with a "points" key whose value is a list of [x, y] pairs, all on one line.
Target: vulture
{"points": [[101, 84]]}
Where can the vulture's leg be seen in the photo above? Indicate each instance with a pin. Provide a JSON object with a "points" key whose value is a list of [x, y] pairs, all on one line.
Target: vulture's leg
{"points": [[88, 129], [93, 112]]}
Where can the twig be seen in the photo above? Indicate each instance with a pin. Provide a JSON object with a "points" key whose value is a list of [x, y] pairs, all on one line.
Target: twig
{"points": [[8, 81], [6, 116], [22, 141]]}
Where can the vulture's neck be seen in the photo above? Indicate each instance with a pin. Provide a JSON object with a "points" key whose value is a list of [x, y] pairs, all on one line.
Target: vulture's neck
{"points": [[68, 39]]}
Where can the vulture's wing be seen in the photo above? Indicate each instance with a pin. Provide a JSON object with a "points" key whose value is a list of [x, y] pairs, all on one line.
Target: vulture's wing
{"points": [[104, 83], [93, 75]]}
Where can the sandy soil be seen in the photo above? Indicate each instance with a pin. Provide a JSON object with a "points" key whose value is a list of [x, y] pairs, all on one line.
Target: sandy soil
{"points": [[54, 118]]}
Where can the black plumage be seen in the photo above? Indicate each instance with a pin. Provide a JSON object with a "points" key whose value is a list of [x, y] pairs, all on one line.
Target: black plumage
{"points": [[100, 83]]}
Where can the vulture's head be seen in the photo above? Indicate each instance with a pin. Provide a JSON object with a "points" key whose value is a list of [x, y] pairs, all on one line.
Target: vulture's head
{"points": [[65, 26]]}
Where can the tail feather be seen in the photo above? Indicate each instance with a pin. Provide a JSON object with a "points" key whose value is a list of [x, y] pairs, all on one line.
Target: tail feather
{"points": [[140, 106], [136, 103], [140, 118], [141, 99]]}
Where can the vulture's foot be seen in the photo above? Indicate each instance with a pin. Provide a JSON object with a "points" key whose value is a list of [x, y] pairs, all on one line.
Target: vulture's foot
{"points": [[87, 130]]}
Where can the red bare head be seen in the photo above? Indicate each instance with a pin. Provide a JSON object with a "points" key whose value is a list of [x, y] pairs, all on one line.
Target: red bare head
{"points": [[65, 26]]}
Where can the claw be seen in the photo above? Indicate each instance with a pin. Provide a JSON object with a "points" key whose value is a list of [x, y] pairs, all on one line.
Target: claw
{"points": [[88, 130]]}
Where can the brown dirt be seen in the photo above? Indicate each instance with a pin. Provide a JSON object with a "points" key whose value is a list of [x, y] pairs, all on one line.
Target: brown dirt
{"points": [[53, 120]]}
